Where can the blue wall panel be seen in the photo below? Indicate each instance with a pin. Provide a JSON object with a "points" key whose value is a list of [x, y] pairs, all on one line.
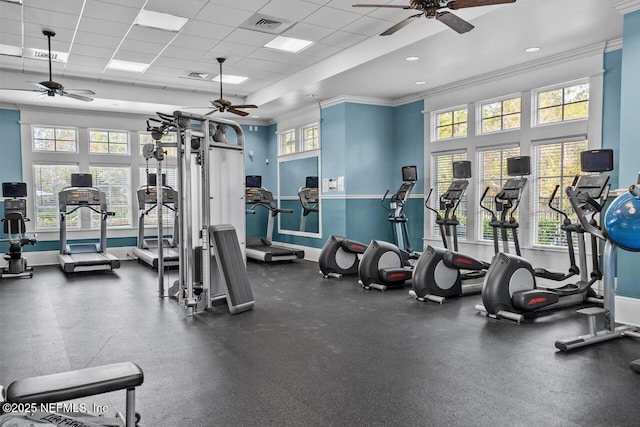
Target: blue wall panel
{"points": [[611, 109], [11, 158]]}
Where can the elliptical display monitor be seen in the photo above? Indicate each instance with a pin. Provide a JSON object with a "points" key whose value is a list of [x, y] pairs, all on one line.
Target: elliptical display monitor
{"points": [[409, 173], [596, 160], [519, 166], [14, 189], [462, 169]]}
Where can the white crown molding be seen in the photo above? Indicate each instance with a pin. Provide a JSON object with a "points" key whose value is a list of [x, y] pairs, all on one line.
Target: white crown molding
{"points": [[560, 58], [626, 6], [357, 100], [613, 45]]}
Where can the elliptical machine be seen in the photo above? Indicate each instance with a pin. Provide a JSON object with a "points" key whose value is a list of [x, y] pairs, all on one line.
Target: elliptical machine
{"points": [[439, 273], [340, 256], [510, 291], [15, 216], [383, 264]]}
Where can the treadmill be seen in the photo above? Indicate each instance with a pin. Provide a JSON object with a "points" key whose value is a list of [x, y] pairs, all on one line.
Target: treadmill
{"points": [[261, 248], [84, 256], [147, 248]]}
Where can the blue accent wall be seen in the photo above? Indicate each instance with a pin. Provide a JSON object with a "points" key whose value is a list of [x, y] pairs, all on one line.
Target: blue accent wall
{"points": [[11, 158], [629, 156], [611, 108]]}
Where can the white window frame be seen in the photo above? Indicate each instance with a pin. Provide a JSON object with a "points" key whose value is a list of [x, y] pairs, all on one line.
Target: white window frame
{"points": [[129, 190], [54, 127], [461, 212], [501, 99], [281, 142], [108, 131], [452, 110], [535, 107]]}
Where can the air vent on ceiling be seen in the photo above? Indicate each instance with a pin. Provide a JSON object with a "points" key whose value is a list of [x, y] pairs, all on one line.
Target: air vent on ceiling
{"points": [[265, 24], [196, 75]]}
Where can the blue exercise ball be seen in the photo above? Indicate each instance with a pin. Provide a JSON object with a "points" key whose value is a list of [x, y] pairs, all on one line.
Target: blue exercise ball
{"points": [[622, 222]]}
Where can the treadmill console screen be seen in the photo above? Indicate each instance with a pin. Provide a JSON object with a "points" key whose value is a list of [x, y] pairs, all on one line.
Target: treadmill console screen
{"points": [[310, 195], [311, 182], [81, 180], [151, 197], [254, 195], [253, 181], [82, 196]]}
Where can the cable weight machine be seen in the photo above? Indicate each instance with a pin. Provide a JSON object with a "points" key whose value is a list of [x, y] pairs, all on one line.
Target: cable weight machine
{"points": [[210, 186]]}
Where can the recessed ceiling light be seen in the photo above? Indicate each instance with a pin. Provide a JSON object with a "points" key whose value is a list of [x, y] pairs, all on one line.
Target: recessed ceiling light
{"points": [[412, 58], [162, 21], [421, 83], [137, 67], [9, 50], [288, 44], [532, 49], [228, 78]]}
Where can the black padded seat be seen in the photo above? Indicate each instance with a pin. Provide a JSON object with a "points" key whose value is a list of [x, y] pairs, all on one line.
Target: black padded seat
{"points": [[75, 384]]}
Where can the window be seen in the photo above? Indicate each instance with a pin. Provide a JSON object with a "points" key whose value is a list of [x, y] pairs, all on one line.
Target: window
{"points": [[116, 183], [563, 104], [500, 115], [493, 174], [451, 124], [310, 138], [108, 142], [54, 139], [145, 138], [288, 142], [443, 177], [49, 180], [556, 164]]}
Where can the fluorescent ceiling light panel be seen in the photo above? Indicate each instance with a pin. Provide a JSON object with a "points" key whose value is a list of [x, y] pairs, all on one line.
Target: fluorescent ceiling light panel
{"points": [[288, 44], [137, 67], [162, 21], [421, 83], [532, 49], [9, 50], [412, 58], [232, 80]]}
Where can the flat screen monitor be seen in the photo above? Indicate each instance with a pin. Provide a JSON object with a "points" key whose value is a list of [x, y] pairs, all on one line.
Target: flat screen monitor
{"points": [[462, 169], [518, 166], [253, 181], [81, 180], [311, 182], [153, 179], [409, 173], [14, 189], [596, 160]]}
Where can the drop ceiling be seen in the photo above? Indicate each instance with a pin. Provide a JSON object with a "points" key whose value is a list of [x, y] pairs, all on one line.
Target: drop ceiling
{"points": [[348, 57]]}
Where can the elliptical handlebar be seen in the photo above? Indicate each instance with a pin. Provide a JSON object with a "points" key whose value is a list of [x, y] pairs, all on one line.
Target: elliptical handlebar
{"points": [[577, 206], [567, 221], [382, 201], [484, 194], [426, 204]]}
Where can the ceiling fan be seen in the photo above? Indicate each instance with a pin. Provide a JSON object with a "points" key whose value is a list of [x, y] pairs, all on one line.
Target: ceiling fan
{"points": [[430, 9], [52, 88], [223, 105]]}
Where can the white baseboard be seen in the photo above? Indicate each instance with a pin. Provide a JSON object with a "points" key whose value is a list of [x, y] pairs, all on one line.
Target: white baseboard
{"points": [[51, 257], [628, 310]]}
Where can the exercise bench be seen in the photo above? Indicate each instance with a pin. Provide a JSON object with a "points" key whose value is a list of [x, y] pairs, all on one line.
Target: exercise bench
{"points": [[80, 383]]}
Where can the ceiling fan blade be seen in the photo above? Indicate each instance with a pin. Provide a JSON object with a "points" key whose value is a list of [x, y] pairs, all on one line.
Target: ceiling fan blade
{"points": [[394, 6], [400, 24], [243, 106], [210, 112], [74, 96], [40, 86], [454, 22], [238, 112], [460, 4], [85, 91]]}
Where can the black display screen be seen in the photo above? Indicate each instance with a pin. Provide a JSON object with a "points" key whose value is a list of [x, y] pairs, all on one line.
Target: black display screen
{"points": [[81, 180], [153, 179], [596, 160], [311, 182], [518, 166], [409, 173], [462, 169], [14, 189], [253, 181]]}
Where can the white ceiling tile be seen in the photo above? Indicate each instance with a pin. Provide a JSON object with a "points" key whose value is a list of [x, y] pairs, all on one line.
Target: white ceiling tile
{"points": [[65, 6], [331, 18], [254, 38], [90, 61], [320, 2], [223, 15], [183, 8], [46, 19], [150, 34], [100, 40], [98, 26], [320, 50], [282, 57], [225, 48], [83, 70], [11, 39], [10, 11], [131, 3], [348, 5], [125, 55], [12, 62], [10, 26], [206, 30], [189, 41], [259, 64], [367, 26], [251, 5], [343, 39], [141, 46], [156, 69], [293, 11], [306, 31], [37, 40], [389, 14], [183, 53], [110, 12], [91, 51]]}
